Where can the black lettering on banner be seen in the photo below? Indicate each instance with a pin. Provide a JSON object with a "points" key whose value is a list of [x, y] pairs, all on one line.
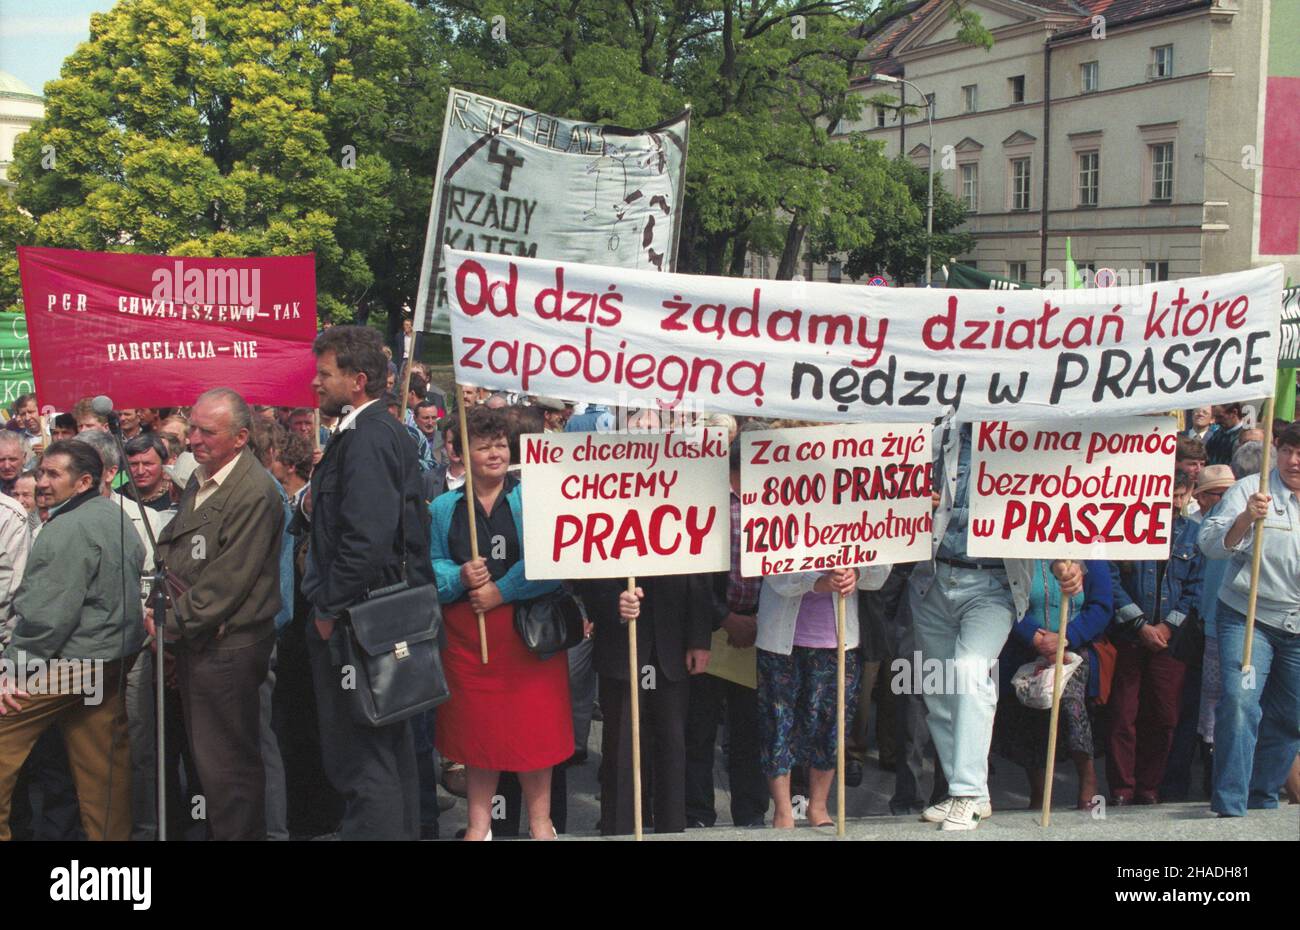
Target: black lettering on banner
{"points": [[998, 394], [508, 162]]}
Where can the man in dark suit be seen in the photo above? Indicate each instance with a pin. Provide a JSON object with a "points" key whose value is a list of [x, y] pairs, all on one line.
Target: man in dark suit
{"points": [[677, 617], [224, 547], [366, 485]]}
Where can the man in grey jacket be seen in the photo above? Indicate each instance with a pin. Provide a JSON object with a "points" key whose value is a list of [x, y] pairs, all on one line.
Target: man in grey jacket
{"points": [[79, 626]]}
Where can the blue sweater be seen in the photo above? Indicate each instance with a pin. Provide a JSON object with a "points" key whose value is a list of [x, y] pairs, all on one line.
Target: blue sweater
{"points": [[513, 585], [1082, 629]]}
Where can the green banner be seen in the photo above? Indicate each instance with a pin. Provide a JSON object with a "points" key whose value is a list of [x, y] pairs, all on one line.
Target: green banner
{"points": [[968, 278], [1284, 399], [15, 358]]}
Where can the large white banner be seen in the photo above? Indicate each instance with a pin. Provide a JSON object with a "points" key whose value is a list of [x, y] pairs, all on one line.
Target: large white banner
{"points": [[516, 182], [823, 497], [1098, 489], [606, 505], [840, 352]]}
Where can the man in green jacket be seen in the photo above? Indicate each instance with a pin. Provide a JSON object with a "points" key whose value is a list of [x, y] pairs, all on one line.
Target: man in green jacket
{"points": [[79, 626]]}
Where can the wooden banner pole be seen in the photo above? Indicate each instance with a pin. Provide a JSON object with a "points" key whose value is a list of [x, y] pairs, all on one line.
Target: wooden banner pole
{"points": [[1265, 486], [406, 384], [839, 717], [1061, 626], [635, 686], [473, 523]]}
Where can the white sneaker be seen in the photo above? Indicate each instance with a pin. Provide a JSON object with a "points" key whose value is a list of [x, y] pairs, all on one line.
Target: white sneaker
{"points": [[938, 813], [965, 814]]}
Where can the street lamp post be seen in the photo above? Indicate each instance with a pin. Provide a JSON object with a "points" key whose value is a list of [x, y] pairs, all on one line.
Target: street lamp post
{"points": [[929, 193]]}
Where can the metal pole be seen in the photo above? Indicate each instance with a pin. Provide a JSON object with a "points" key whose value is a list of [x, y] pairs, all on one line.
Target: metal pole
{"points": [[929, 181], [929, 194]]}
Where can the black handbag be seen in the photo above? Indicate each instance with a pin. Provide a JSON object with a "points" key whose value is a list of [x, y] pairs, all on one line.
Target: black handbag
{"points": [[390, 640], [549, 624]]}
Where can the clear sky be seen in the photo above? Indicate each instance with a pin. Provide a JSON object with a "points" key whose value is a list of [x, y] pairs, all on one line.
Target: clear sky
{"points": [[36, 35]]}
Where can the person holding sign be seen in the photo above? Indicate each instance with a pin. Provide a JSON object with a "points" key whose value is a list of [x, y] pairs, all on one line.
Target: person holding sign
{"points": [[1153, 600], [797, 647], [513, 713], [962, 611], [1257, 719], [677, 615], [1020, 732]]}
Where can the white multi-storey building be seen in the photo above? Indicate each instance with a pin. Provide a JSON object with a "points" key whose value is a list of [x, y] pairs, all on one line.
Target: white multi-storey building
{"points": [[1144, 121], [20, 106]]}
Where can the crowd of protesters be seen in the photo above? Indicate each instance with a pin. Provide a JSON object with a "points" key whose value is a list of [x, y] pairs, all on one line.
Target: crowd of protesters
{"points": [[270, 521]]}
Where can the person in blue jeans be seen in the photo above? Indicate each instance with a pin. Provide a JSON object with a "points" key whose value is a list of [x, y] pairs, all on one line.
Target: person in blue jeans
{"points": [[1257, 719], [963, 609]]}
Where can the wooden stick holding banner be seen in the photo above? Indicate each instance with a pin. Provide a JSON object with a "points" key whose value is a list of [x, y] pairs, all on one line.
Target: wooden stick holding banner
{"points": [[469, 509], [315, 430], [839, 715], [1264, 486], [1061, 625], [406, 379], [635, 685]]}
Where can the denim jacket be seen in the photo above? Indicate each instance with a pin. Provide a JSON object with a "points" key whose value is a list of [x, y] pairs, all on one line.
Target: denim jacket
{"points": [[1134, 583], [946, 452]]}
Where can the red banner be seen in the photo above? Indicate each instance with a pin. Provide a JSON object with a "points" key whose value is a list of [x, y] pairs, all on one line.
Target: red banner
{"points": [[158, 330]]}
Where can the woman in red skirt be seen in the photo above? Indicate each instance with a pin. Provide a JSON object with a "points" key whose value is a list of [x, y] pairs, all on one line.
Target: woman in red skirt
{"points": [[512, 714]]}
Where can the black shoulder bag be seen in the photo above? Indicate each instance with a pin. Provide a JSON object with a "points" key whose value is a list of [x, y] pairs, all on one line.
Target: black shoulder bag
{"points": [[549, 624], [391, 641]]}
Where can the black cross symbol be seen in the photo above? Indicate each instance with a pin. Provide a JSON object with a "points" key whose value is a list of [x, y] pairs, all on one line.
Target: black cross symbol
{"points": [[510, 161]]}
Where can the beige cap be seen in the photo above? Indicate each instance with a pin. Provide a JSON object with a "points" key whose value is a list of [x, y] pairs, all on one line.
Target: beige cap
{"points": [[1215, 478]]}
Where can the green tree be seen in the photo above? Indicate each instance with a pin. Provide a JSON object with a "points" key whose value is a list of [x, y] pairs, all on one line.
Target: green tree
{"points": [[899, 245], [16, 228], [767, 80], [243, 127]]}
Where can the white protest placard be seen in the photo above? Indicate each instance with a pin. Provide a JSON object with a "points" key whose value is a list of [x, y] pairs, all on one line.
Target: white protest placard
{"points": [[608, 505], [850, 353], [514, 181], [1081, 489], [822, 497]]}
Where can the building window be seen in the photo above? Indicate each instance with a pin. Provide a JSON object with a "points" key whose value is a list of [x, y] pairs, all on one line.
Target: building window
{"points": [[834, 272], [970, 98], [880, 117], [1020, 183], [1018, 271], [1162, 171], [1089, 178], [1090, 76], [1157, 271], [970, 187], [1017, 85], [1162, 63]]}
